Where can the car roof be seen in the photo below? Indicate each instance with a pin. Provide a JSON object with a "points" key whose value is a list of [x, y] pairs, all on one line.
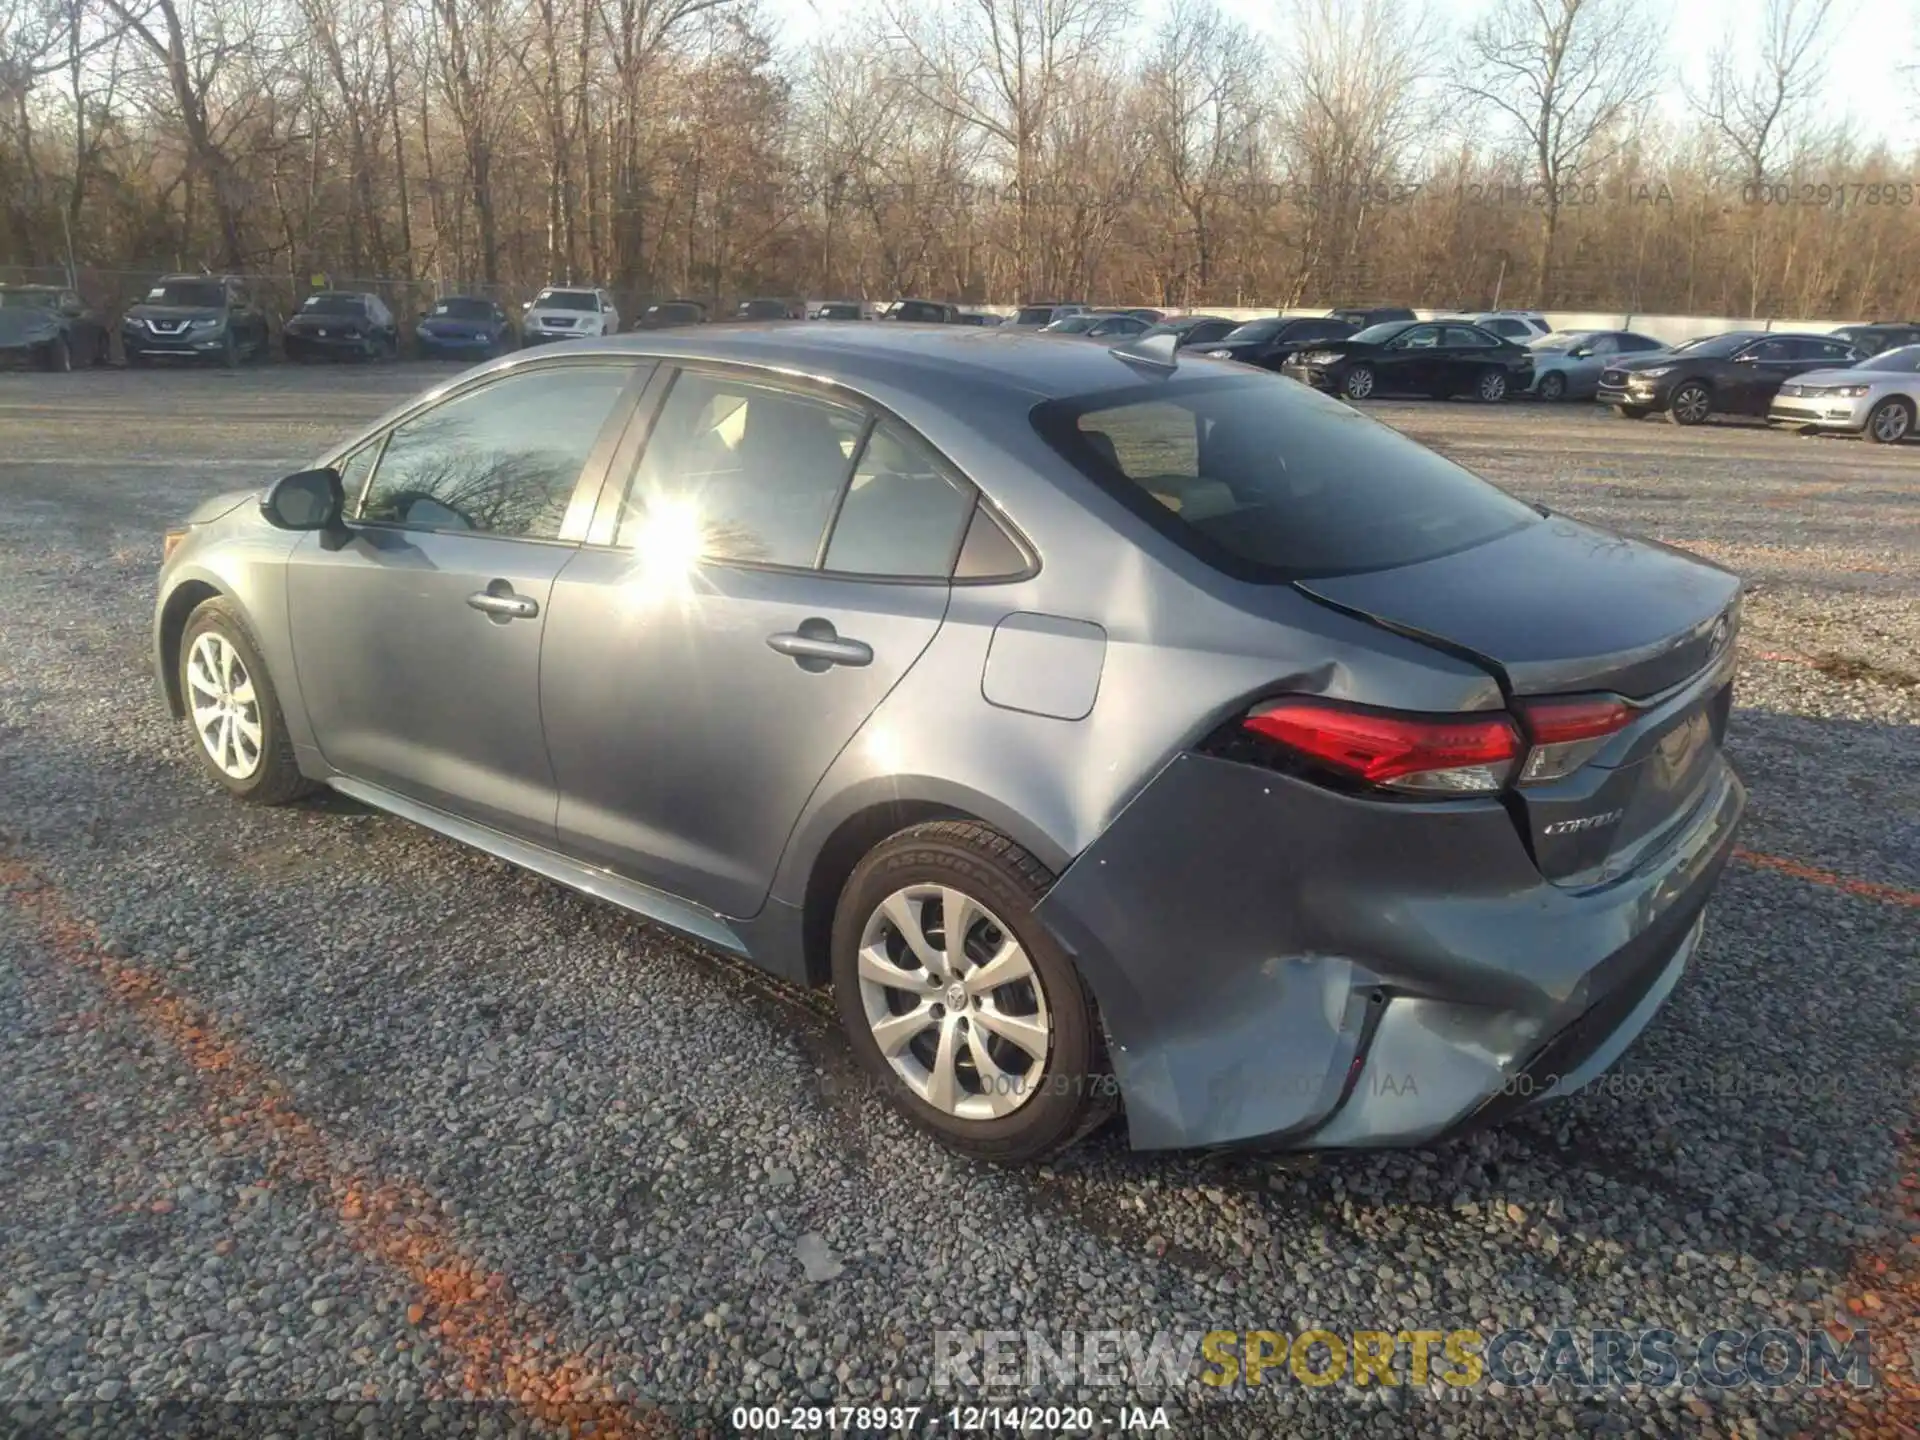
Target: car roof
{"points": [[922, 361]]}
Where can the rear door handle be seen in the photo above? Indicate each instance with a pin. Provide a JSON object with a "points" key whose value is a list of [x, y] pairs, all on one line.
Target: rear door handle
{"points": [[499, 602], [816, 645]]}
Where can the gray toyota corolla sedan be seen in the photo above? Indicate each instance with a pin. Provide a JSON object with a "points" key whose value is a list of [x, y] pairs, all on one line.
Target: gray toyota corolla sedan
{"points": [[1107, 732]]}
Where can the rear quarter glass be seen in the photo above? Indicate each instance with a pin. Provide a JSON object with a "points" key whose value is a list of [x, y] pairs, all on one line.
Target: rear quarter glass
{"points": [[1267, 481]]}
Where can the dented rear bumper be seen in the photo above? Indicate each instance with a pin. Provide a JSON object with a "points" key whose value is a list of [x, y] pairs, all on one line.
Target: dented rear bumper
{"points": [[1277, 963]]}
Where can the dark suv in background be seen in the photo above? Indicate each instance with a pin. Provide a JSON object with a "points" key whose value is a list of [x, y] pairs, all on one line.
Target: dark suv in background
{"points": [[1362, 316], [1732, 374], [1880, 336], [196, 317]]}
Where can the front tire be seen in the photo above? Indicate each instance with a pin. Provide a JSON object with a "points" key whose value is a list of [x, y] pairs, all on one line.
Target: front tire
{"points": [[1691, 404], [985, 1038], [230, 353], [1359, 383], [1891, 421], [1552, 386], [240, 733], [59, 355]]}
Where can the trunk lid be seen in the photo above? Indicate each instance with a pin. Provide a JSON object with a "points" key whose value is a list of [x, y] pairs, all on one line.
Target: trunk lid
{"points": [[1561, 609]]}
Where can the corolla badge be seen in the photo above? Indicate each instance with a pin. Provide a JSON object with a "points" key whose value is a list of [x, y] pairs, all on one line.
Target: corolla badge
{"points": [[1585, 822]]}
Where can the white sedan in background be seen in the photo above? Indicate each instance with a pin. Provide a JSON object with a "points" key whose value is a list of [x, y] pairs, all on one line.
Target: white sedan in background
{"points": [[1878, 398]]}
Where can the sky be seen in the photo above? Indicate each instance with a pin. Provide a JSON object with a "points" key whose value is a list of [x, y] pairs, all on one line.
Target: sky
{"points": [[1871, 40]]}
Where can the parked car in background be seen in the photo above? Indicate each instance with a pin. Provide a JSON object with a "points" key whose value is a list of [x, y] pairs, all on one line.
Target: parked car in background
{"points": [[463, 327], [1567, 363], [770, 310], [665, 314], [1879, 398], [1037, 314], [922, 312], [567, 312], [1098, 325], [1144, 312], [341, 325], [1365, 771], [1437, 358], [1732, 374], [842, 310], [1362, 317], [196, 317], [50, 327], [982, 318], [1880, 335], [1193, 330], [1521, 326], [1274, 340]]}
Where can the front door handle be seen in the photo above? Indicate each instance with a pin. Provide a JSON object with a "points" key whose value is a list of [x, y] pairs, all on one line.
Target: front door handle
{"points": [[816, 645], [498, 602]]}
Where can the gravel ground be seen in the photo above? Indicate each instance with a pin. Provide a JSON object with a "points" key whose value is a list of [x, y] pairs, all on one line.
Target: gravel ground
{"points": [[312, 1106]]}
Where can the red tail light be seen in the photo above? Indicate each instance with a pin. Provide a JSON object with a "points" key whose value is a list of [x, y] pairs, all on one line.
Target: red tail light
{"points": [[1429, 754], [1567, 733]]}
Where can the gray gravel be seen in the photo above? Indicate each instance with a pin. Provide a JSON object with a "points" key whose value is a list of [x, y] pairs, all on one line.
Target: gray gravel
{"points": [[670, 1163]]}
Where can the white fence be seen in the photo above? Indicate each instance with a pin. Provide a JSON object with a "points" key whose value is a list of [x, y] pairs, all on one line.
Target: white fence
{"points": [[1668, 329]]}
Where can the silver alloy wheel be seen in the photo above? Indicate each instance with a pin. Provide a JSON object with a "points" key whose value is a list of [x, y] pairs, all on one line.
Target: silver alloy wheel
{"points": [[1891, 423], [1359, 384], [1493, 386], [226, 711], [1691, 404], [954, 1002]]}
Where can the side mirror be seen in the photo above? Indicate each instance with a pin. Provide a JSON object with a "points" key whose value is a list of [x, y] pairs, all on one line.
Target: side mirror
{"points": [[1582, 353], [307, 500]]}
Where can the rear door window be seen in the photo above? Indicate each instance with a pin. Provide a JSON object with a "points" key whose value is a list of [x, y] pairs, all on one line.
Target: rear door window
{"points": [[904, 511], [740, 471], [1269, 482]]}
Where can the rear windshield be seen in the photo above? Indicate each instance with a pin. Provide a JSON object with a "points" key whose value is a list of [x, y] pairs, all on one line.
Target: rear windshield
{"points": [[567, 300], [208, 294], [464, 309], [1258, 329], [1267, 481], [839, 312], [1034, 315]]}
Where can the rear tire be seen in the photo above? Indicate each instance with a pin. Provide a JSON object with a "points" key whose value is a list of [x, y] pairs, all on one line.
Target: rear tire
{"points": [[1490, 387], [240, 733], [958, 1061], [1691, 404], [1891, 421]]}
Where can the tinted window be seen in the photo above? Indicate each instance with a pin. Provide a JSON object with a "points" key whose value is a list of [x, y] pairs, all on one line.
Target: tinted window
{"points": [[1419, 337], [1631, 344], [1768, 350], [1468, 337], [1257, 329], [464, 309], [1208, 331], [1511, 329], [1268, 481], [498, 460], [1379, 334], [331, 305], [1827, 350], [1715, 347], [1033, 315], [754, 470], [904, 511]]}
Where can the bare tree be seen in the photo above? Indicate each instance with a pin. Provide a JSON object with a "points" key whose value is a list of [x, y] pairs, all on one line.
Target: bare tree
{"points": [[1755, 97], [1201, 96], [1569, 75], [1004, 67], [1351, 121]]}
